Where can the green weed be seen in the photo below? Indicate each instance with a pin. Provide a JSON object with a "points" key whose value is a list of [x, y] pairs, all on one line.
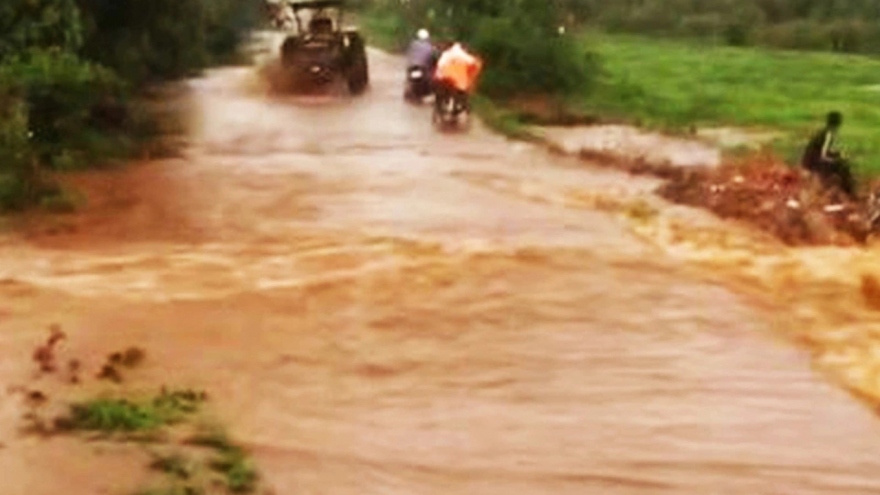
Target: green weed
{"points": [[173, 490], [231, 460], [124, 415], [239, 471]]}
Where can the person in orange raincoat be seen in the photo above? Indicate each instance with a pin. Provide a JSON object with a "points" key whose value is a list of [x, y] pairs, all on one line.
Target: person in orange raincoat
{"points": [[457, 72]]}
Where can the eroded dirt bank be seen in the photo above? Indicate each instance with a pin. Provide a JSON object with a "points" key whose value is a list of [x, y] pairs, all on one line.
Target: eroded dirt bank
{"points": [[378, 308]]}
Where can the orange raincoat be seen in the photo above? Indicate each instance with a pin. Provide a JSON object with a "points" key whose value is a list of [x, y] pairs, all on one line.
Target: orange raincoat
{"points": [[459, 68]]}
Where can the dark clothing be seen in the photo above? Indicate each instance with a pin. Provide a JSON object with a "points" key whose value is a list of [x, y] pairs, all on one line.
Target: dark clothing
{"points": [[820, 148], [822, 159], [836, 173]]}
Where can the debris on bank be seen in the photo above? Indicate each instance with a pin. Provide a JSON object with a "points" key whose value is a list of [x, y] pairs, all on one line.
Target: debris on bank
{"points": [[774, 197], [760, 189]]}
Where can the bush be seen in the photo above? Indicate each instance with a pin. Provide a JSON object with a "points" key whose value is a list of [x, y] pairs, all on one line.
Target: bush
{"points": [[520, 60], [227, 24], [46, 24], [15, 156], [517, 39], [63, 96], [154, 40]]}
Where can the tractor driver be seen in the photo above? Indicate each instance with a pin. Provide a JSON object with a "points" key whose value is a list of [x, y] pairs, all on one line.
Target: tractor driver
{"points": [[320, 24]]}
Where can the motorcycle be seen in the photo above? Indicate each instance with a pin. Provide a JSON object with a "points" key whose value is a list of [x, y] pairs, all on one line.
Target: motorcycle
{"points": [[449, 108], [418, 84]]}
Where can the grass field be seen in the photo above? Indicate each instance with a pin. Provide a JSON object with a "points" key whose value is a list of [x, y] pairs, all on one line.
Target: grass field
{"points": [[671, 84]]}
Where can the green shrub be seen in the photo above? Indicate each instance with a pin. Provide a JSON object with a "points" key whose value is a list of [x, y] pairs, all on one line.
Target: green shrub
{"points": [[154, 40], [16, 159], [524, 60], [63, 96], [517, 39], [123, 415], [45, 24]]}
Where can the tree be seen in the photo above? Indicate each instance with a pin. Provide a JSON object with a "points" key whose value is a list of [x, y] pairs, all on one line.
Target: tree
{"points": [[45, 24]]}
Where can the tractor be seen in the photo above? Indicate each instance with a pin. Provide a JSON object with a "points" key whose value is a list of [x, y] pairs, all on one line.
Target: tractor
{"points": [[319, 52]]}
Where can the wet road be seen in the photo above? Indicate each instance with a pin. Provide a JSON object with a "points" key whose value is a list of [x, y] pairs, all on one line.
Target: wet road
{"points": [[381, 309]]}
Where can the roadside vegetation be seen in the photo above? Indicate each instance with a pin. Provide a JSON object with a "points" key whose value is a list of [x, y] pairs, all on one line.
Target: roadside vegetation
{"points": [[73, 74], [519, 39]]}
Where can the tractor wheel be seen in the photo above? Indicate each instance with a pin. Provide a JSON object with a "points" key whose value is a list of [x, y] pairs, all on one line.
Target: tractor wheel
{"points": [[290, 51], [357, 73]]}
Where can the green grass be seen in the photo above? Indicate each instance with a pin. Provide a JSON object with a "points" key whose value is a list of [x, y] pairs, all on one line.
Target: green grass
{"points": [[500, 119], [108, 415], [674, 84]]}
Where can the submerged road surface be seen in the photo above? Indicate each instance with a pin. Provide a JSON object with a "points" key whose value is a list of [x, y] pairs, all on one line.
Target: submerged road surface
{"points": [[377, 308]]}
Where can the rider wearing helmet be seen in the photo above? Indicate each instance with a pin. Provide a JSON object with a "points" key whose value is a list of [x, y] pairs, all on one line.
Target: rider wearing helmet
{"points": [[421, 60], [457, 72], [421, 52]]}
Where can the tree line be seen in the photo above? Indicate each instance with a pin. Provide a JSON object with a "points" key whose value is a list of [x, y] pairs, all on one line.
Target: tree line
{"points": [[72, 70], [851, 26]]}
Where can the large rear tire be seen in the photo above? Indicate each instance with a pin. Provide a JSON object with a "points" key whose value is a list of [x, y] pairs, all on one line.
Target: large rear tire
{"points": [[358, 72], [290, 51]]}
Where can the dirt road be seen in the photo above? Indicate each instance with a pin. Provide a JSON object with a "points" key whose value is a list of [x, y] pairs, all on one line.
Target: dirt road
{"points": [[380, 309]]}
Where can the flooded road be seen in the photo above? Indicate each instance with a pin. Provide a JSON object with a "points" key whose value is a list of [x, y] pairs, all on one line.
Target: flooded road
{"points": [[377, 308]]}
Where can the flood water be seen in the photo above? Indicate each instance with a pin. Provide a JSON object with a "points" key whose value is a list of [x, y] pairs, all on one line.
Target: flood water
{"points": [[378, 308]]}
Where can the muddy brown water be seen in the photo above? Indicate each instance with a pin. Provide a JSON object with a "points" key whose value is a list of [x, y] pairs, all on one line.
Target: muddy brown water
{"points": [[377, 308]]}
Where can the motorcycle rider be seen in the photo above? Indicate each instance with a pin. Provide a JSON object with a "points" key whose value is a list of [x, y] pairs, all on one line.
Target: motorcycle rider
{"points": [[421, 52], [821, 158], [456, 74], [421, 56]]}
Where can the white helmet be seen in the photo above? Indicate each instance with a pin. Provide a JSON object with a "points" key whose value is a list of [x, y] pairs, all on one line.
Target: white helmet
{"points": [[423, 34]]}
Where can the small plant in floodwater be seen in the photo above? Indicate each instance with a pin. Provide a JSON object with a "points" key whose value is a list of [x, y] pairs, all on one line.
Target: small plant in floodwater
{"points": [[45, 355], [175, 465], [113, 415], [129, 358], [123, 415], [213, 438], [239, 471], [173, 490], [232, 461]]}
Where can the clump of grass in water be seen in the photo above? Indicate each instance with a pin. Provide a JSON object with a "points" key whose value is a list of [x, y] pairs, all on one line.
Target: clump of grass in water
{"points": [[232, 461], [173, 490], [240, 473], [175, 465], [127, 416]]}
